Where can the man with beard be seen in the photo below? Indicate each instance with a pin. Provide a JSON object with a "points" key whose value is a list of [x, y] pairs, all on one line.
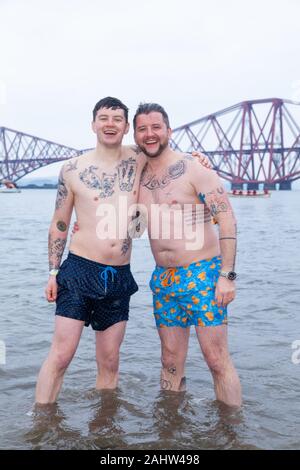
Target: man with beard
{"points": [[193, 282]]}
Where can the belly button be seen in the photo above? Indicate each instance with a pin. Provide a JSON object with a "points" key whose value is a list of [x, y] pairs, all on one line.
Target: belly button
{"points": [[96, 199]]}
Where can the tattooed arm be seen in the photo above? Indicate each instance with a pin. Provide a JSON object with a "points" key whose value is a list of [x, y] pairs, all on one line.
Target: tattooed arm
{"points": [[212, 193], [58, 231]]}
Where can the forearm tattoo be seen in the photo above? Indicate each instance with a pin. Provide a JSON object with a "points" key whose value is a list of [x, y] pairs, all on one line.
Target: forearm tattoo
{"points": [[228, 247], [62, 192], [227, 238], [61, 226], [56, 249], [133, 228], [151, 181], [235, 246]]}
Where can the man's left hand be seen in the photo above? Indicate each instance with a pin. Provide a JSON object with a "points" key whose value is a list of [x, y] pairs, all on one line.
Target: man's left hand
{"points": [[225, 291]]}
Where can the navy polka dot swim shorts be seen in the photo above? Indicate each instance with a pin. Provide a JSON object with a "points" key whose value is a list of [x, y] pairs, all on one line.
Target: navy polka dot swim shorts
{"points": [[95, 293]]}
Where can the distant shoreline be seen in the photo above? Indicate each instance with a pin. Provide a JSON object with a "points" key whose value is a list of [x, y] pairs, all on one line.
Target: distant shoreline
{"points": [[35, 186]]}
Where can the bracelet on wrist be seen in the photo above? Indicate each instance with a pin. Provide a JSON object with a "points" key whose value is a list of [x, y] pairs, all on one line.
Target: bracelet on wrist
{"points": [[53, 272]]}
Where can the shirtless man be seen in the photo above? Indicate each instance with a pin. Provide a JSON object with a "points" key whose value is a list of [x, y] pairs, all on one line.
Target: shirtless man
{"points": [[94, 282], [191, 285]]}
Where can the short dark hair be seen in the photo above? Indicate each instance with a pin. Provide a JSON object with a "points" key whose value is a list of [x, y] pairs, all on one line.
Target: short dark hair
{"points": [[110, 102], [147, 108]]}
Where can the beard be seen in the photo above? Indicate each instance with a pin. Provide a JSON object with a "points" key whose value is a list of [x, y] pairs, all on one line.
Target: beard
{"points": [[161, 148]]}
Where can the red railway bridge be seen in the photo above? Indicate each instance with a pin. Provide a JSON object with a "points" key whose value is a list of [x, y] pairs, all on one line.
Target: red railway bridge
{"points": [[250, 143]]}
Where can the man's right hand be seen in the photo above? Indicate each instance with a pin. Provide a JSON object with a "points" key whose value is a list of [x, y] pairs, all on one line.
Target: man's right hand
{"points": [[51, 289]]}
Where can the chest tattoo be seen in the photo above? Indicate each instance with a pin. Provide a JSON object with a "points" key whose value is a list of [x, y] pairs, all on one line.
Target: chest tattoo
{"points": [[125, 171], [105, 183], [151, 181]]}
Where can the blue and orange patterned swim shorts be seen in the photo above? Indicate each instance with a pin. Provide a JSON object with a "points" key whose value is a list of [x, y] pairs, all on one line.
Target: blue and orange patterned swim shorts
{"points": [[185, 296]]}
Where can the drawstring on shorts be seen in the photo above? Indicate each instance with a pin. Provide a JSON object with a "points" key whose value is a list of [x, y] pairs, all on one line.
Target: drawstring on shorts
{"points": [[168, 277], [104, 275]]}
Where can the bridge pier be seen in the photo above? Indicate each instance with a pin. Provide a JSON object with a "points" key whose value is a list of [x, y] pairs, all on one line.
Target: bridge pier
{"points": [[237, 186], [285, 185], [270, 186], [253, 186]]}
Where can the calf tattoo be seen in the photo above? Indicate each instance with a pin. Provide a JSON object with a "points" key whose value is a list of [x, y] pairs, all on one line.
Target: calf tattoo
{"points": [[172, 370], [165, 384], [151, 181]]}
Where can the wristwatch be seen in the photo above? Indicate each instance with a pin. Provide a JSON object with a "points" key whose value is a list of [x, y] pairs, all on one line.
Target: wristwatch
{"points": [[231, 275]]}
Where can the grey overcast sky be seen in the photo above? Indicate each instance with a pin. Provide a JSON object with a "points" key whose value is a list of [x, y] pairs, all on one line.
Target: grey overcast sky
{"points": [[59, 57]]}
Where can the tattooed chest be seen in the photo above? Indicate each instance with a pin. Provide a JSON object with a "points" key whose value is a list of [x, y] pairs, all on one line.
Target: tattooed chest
{"points": [[153, 181], [121, 178]]}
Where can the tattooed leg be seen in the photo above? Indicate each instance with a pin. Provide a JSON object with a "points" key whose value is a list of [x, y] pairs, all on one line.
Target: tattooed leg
{"points": [[174, 342], [171, 379]]}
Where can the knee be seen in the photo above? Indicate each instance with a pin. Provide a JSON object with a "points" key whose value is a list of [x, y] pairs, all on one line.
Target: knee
{"points": [[61, 361], [169, 358], [215, 361], [109, 362]]}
